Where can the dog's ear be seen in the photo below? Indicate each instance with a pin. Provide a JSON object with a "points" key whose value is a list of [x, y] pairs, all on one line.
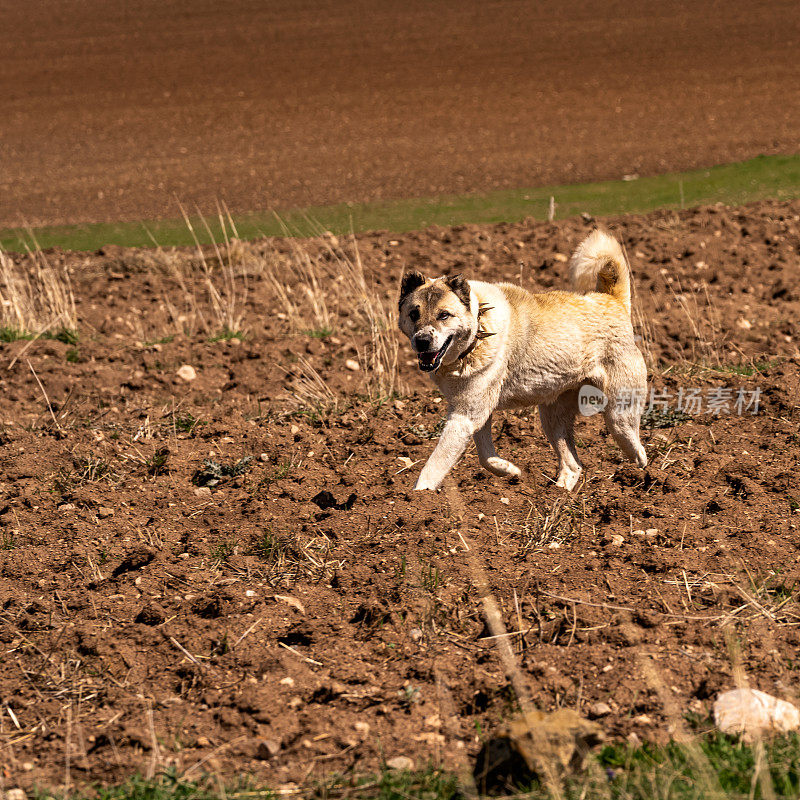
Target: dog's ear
{"points": [[411, 281], [459, 286]]}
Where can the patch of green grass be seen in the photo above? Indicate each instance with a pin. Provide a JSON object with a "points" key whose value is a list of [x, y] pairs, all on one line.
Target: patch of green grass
{"points": [[166, 786], [65, 335], [269, 547], [163, 340], [157, 463], [617, 772], [663, 418], [223, 550], [670, 772], [185, 422], [319, 333], [743, 182], [225, 335], [747, 369], [72, 355], [13, 335], [430, 577]]}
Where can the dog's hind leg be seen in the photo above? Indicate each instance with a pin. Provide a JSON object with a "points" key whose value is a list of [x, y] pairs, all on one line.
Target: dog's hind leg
{"points": [[488, 456], [558, 419], [623, 425], [623, 411]]}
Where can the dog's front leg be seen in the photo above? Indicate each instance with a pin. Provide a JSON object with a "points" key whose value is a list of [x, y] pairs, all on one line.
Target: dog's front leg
{"points": [[457, 432], [488, 457]]}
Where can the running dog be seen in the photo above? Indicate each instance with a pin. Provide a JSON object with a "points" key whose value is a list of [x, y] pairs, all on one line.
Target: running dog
{"points": [[496, 346]]}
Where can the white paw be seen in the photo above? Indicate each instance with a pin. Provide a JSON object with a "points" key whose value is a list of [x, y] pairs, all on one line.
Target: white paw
{"points": [[502, 468], [425, 486], [567, 479]]}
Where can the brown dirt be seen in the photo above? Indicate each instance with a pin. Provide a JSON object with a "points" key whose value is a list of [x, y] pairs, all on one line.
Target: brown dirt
{"points": [[108, 113], [148, 623]]}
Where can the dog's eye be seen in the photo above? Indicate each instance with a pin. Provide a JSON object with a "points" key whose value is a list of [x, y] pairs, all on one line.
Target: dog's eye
{"points": [[443, 315], [413, 315]]}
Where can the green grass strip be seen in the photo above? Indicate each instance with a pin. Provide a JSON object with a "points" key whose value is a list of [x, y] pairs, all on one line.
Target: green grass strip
{"points": [[776, 177], [738, 771]]}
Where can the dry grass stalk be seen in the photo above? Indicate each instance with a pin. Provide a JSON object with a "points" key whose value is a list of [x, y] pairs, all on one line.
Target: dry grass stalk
{"points": [[379, 359], [704, 322], [225, 281], [317, 292], [35, 297], [311, 393]]}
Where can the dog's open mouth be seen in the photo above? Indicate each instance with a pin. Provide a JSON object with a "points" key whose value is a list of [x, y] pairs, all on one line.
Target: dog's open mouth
{"points": [[430, 361]]}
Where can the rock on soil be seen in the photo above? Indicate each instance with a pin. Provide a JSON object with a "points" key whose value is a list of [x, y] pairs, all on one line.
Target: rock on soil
{"points": [[753, 713]]}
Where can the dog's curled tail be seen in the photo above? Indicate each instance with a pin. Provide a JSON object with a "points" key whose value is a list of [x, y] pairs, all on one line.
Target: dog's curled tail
{"points": [[599, 265]]}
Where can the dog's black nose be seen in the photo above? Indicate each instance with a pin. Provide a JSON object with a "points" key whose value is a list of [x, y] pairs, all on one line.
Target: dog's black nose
{"points": [[423, 342]]}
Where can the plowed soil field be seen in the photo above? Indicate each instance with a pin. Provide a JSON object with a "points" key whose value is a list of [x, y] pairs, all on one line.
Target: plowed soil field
{"points": [[110, 111], [232, 574]]}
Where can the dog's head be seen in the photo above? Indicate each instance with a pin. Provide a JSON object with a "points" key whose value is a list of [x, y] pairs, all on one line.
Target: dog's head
{"points": [[439, 317]]}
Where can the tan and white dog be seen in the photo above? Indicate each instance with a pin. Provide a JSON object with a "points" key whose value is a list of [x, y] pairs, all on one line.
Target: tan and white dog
{"points": [[496, 346]]}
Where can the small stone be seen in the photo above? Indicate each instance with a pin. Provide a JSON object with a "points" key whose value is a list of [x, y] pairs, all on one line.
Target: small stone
{"points": [[642, 719], [203, 491], [294, 430], [267, 748], [633, 739], [600, 709], [561, 258], [416, 634], [651, 533], [15, 794], [362, 727], [27, 766], [202, 741], [638, 533], [187, 373], [291, 601], [743, 324], [505, 501], [616, 540], [352, 365], [433, 721], [400, 763], [67, 507], [264, 457], [554, 546], [249, 593], [287, 681], [104, 512]]}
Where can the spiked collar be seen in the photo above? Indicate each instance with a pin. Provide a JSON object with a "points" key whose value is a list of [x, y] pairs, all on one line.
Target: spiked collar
{"points": [[481, 333]]}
